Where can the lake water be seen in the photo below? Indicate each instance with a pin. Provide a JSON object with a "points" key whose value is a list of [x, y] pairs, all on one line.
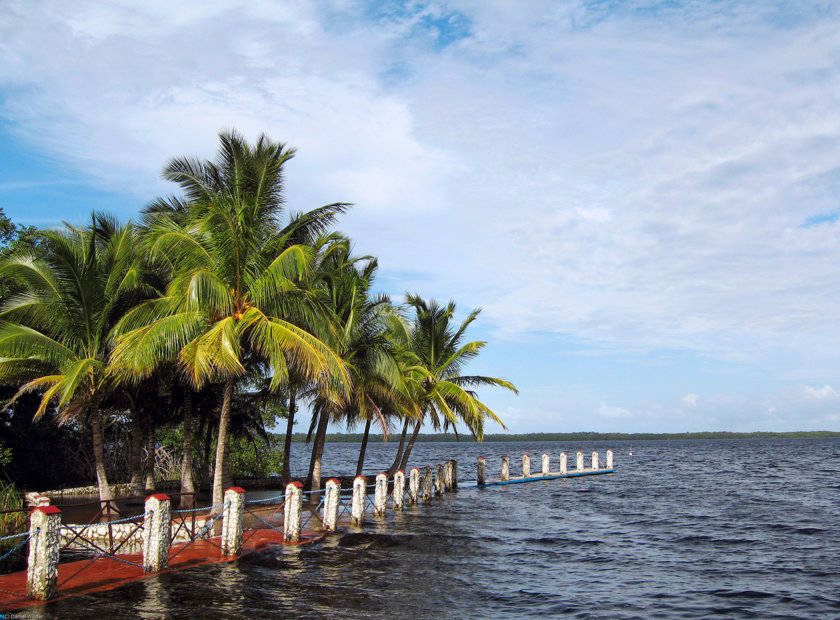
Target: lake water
{"points": [[736, 528]]}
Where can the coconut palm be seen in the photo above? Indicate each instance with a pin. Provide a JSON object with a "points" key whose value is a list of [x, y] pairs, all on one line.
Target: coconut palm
{"points": [[237, 289], [56, 334], [443, 395]]}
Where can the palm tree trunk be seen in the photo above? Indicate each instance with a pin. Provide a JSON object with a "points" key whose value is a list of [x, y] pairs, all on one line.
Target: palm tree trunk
{"points": [[150, 458], [314, 479], [398, 458], [410, 445], [287, 446], [99, 457], [221, 448], [206, 464], [187, 486], [136, 486], [361, 462]]}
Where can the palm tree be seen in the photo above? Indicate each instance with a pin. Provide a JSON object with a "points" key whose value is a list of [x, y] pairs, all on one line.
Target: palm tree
{"points": [[442, 393], [237, 287], [56, 335]]}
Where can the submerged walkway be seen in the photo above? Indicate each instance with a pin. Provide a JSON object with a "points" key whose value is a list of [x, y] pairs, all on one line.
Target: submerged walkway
{"points": [[549, 476], [106, 573]]}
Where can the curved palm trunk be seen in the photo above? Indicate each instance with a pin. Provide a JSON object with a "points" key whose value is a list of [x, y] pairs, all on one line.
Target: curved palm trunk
{"points": [[410, 445], [187, 485], [361, 462], [221, 449], [206, 465], [99, 457], [398, 458], [150, 458], [136, 485], [287, 446], [314, 479]]}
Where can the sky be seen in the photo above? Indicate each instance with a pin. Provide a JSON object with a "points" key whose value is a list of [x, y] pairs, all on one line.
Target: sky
{"points": [[643, 196]]}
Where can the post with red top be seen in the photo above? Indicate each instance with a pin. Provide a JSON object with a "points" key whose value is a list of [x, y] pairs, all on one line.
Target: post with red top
{"points": [[399, 490], [232, 517], [42, 572], [156, 525], [380, 494], [413, 485], [505, 469], [564, 463], [481, 471], [331, 500], [291, 520], [357, 508]]}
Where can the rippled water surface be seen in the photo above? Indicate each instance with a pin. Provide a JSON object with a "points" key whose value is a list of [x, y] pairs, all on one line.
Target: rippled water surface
{"points": [[738, 528]]}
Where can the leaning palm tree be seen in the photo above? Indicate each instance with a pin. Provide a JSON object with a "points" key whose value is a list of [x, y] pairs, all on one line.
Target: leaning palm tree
{"points": [[443, 395], [238, 286], [56, 335]]}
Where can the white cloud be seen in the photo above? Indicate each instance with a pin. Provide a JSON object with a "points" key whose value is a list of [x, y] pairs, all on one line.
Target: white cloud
{"points": [[690, 400], [611, 411]]}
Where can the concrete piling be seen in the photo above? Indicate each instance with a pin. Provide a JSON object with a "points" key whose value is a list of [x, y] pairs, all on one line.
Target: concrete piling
{"points": [[564, 463], [332, 498], [481, 471], [609, 459], [380, 494], [156, 525], [579, 462], [427, 482], [399, 490], [232, 517], [42, 573], [413, 485], [447, 477], [546, 464], [292, 508], [454, 474], [440, 488], [357, 508], [594, 461], [505, 469], [526, 465]]}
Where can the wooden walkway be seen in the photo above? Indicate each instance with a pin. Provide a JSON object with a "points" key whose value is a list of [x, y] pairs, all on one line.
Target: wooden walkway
{"points": [[575, 473]]}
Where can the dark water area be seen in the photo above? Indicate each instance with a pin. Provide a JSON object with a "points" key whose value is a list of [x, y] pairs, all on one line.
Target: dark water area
{"points": [[684, 529]]}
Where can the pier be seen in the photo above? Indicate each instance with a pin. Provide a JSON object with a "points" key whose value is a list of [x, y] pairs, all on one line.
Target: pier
{"points": [[67, 559]]}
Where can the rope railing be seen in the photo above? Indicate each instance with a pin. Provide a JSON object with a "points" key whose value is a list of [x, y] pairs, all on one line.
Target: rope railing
{"points": [[204, 530], [25, 535]]}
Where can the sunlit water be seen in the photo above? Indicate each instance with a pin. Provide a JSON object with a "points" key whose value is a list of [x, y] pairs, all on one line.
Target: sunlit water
{"points": [[739, 528]]}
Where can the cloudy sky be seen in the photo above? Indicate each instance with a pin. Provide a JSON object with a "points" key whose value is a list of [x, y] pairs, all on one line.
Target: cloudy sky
{"points": [[643, 196]]}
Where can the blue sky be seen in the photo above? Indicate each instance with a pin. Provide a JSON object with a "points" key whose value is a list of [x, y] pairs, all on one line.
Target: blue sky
{"points": [[643, 196]]}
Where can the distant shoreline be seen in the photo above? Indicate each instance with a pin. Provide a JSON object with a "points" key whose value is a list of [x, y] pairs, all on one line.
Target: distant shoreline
{"points": [[443, 437]]}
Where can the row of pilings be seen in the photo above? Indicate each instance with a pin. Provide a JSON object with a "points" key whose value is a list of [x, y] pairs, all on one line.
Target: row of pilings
{"points": [[45, 532], [595, 465]]}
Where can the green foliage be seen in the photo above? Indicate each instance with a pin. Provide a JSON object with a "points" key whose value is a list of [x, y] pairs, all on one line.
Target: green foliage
{"points": [[13, 522], [256, 458]]}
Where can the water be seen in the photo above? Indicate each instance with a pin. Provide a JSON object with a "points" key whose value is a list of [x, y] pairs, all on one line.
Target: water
{"points": [[737, 529]]}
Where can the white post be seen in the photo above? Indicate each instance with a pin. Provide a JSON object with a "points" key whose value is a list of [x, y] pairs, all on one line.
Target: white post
{"points": [[564, 463], [380, 494], [234, 513], [482, 471], [291, 521], [42, 570], [526, 465], [331, 500], [357, 509], [413, 485], [440, 485], [609, 459], [398, 494], [579, 461], [594, 461], [156, 526], [505, 469]]}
